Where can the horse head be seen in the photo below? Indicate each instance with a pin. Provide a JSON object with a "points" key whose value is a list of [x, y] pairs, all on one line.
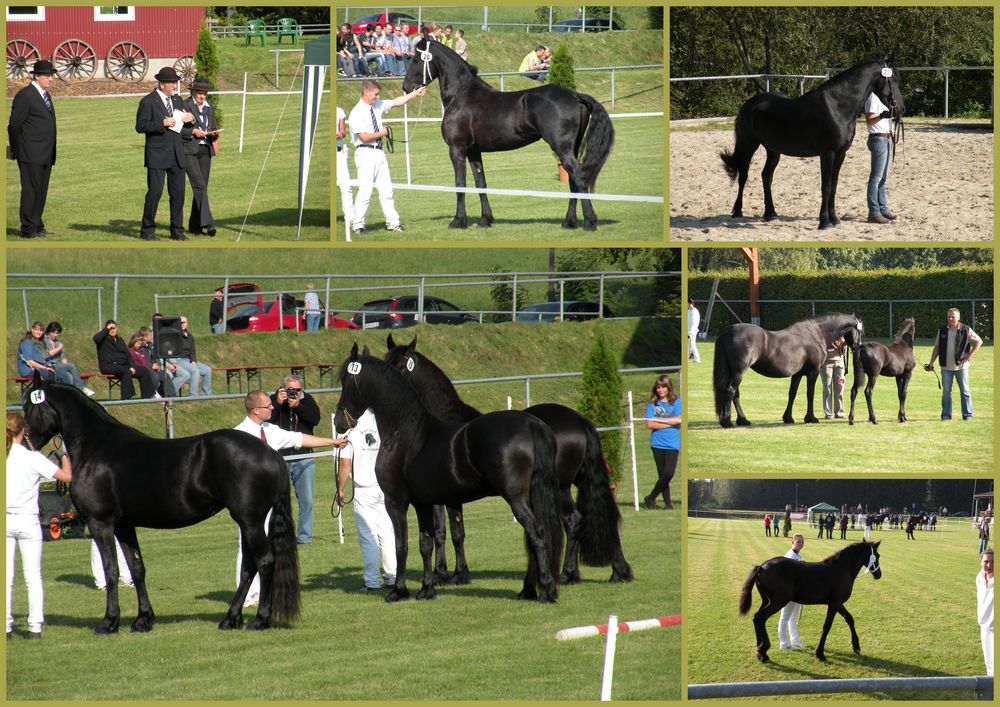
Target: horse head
{"points": [[422, 70], [401, 356], [907, 330], [872, 563], [887, 87], [852, 332], [40, 414], [353, 401]]}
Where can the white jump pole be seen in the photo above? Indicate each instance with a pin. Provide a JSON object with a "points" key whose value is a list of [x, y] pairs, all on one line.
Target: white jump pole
{"points": [[609, 658], [631, 444], [243, 110], [510, 402]]}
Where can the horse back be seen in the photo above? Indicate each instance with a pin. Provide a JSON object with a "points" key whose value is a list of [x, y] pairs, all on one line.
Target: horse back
{"points": [[798, 127], [570, 429]]}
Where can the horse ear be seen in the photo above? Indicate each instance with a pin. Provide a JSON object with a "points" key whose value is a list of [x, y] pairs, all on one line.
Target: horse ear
{"points": [[390, 344], [412, 346], [877, 544], [36, 379], [365, 351], [354, 350]]}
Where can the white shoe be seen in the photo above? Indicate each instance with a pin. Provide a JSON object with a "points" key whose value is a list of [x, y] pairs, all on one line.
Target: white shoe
{"points": [[798, 644], [251, 602], [157, 396], [126, 583], [88, 392]]}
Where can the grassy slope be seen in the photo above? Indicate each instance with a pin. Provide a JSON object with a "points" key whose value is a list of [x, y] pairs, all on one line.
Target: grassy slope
{"points": [[833, 446], [918, 620]]}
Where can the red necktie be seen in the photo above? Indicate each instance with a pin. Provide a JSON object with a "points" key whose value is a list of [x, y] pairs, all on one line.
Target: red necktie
{"points": [[263, 437]]}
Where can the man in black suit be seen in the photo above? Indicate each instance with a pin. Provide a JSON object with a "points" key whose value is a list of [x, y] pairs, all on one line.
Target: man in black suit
{"points": [[200, 145], [32, 134], [161, 116]]}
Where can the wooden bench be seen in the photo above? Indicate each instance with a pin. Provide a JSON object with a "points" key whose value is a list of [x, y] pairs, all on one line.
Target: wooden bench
{"points": [[112, 381], [254, 374]]}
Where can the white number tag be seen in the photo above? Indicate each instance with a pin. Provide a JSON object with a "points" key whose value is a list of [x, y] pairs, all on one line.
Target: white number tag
{"points": [[410, 364], [37, 397], [887, 72], [354, 368]]}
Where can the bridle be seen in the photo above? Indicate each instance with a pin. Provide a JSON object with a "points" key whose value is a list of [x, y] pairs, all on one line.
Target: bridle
{"points": [[873, 565], [426, 57], [898, 131]]}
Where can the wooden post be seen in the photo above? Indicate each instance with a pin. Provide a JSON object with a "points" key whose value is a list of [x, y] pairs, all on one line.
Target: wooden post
{"points": [[753, 261]]}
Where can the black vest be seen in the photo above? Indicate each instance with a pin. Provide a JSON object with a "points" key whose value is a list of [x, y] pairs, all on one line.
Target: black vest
{"points": [[962, 344]]}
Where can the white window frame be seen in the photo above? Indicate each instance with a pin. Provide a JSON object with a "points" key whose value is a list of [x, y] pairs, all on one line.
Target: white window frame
{"points": [[39, 15], [128, 17]]}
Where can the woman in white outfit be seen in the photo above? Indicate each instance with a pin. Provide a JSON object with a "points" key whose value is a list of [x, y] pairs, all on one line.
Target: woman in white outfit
{"points": [[25, 471], [788, 623]]}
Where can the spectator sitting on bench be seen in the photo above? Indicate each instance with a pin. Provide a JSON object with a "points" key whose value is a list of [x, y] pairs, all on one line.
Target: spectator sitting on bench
{"points": [[31, 354], [535, 64], [165, 385], [55, 357], [140, 361], [113, 359], [187, 363]]}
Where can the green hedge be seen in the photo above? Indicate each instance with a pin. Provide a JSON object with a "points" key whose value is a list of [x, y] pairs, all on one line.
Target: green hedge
{"points": [[849, 289]]}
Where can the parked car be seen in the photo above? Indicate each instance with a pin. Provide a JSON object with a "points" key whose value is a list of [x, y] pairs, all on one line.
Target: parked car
{"points": [[398, 312], [593, 24], [248, 311], [573, 311], [359, 25]]}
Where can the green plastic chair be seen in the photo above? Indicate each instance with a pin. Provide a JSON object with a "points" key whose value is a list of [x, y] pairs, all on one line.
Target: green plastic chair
{"points": [[288, 27], [255, 28]]}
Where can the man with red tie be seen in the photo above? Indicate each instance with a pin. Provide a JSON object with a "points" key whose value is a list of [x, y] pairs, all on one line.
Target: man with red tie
{"points": [[32, 134]]}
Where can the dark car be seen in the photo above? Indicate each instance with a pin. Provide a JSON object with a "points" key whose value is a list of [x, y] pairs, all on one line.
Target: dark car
{"points": [[398, 312], [593, 24], [248, 311], [572, 311], [359, 25]]}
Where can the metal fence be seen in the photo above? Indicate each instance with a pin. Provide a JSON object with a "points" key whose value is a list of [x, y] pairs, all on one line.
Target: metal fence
{"points": [[555, 14]]}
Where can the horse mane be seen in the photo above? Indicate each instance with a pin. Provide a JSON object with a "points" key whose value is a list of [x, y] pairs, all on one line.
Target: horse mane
{"points": [[832, 317], [93, 407], [435, 389], [452, 59], [852, 72], [839, 554]]}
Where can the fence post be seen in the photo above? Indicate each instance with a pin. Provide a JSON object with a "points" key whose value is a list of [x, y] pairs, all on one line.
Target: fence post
{"points": [[600, 297], [243, 110], [486, 18], [114, 305], [527, 392], [947, 75], [612, 88], [100, 307], [631, 444], [513, 300], [276, 53], [27, 317], [890, 318]]}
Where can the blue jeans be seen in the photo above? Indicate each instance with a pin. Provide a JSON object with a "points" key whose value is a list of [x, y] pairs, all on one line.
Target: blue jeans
{"points": [[881, 149], [312, 321], [199, 373], [302, 473], [962, 378], [219, 328], [67, 373]]}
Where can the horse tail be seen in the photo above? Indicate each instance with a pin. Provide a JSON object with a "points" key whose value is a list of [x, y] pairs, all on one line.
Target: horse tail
{"points": [[285, 586], [721, 375], [734, 160], [745, 593], [599, 539], [542, 493], [597, 142]]}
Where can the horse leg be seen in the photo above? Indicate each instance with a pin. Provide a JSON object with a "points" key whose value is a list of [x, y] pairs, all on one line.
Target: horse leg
{"points": [[902, 384], [396, 508], [858, 378], [538, 555], [440, 543], [810, 395], [831, 611], [571, 518], [741, 418], [263, 557], [578, 185], [869, 389], [457, 520], [103, 535], [838, 161], [425, 523], [744, 154], [248, 569], [793, 388], [855, 642], [826, 160], [458, 162], [766, 611], [133, 558], [766, 175], [476, 162]]}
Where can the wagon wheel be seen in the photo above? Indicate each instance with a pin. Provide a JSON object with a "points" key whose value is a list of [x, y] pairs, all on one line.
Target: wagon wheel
{"points": [[21, 54], [126, 61], [185, 68], [74, 60]]}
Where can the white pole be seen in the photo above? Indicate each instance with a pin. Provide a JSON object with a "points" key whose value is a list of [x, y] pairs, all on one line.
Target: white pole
{"points": [[406, 132], [510, 403], [276, 53], [609, 658], [631, 444], [243, 110]]}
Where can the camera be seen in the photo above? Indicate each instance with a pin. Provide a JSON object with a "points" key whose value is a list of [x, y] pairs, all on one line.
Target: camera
{"points": [[292, 393]]}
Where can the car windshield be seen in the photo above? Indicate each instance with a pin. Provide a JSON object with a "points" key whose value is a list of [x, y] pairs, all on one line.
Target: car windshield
{"points": [[381, 305]]}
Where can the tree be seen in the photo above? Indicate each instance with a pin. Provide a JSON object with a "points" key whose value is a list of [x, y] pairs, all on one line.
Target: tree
{"points": [[561, 68], [601, 400], [206, 61], [502, 295]]}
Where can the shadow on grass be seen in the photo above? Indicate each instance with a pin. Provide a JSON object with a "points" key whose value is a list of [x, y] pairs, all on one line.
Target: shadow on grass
{"points": [[891, 668], [257, 224]]}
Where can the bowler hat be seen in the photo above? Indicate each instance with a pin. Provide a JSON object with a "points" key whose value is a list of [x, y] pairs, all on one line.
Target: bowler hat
{"points": [[167, 75], [201, 84], [43, 67]]}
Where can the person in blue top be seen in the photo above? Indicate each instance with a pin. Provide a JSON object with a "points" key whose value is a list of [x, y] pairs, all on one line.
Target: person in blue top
{"points": [[31, 354], [663, 417]]}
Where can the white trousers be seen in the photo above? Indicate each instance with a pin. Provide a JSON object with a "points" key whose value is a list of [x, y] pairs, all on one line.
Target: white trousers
{"points": [[693, 353], [346, 193], [788, 625], [253, 595], [97, 568], [373, 171], [986, 636], [25, 535], [375, 535]]}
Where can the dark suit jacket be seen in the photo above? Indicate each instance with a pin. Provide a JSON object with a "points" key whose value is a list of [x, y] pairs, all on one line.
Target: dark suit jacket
{"points": [[190, 142], [164, 147], [32, 128]]}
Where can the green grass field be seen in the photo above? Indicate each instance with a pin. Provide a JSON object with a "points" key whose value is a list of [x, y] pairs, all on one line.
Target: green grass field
{"points": [[99, 182], [832, 445], [917, 620]]}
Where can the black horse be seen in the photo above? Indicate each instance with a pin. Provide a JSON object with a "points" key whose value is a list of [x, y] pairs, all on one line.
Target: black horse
{"points": [[831, 581], [796, 351], [912, 523], [424, 462], [591, 523], [478, 119], [820, 123], [874, 359], [123, 480]]}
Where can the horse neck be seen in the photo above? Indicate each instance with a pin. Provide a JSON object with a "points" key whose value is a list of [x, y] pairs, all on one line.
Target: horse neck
{"points": [[80, 422], [396, 405], [852, 87], [438, 394], [456, 79], [834, 327]]}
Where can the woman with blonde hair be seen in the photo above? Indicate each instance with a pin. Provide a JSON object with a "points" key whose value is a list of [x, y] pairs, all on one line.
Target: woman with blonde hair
{"points": [[25, 471], [663, 417]]}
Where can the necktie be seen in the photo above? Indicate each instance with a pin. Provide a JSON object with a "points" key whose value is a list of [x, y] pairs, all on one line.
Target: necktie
{"points": [[169, 106], [263, 437], [48, 103], [375, 127]]}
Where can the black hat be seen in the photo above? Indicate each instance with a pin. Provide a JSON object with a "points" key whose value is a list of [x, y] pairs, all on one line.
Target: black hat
{"points": [[167, 75], [201, 84], [43, 68]]}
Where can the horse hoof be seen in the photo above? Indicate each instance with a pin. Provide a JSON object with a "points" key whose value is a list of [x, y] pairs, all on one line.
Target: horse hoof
{"points": [[824, 226], [569, 578], [458, 223], [857, 650], [873, 421], [588, 226], [762, 657], [769, 217], [850, 421], [788, 420], [569, 225], [484, 222], [811, 420], [426, 593], [820, 657], [547, 598], [527, 594], [397, 595], [743, 422], [726, 423], [258, 624], [105, 630], [229, 624], [460, 578], [141, 626]]}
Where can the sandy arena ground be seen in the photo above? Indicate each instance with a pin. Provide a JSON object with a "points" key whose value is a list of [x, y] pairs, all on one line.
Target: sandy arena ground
{"points": [[941, 187]]}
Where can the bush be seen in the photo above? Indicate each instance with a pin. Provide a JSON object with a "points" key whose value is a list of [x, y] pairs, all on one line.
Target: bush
{"points": [[501, 294], [206, 61], [601, 400], [561, 68]]}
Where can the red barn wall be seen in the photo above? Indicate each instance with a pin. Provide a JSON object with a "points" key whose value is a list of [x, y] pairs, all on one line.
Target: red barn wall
{"points": [[160, 31]]}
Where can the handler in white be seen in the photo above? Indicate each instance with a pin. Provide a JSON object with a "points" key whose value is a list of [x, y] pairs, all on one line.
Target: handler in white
{"points": [[788, 623], [367, 131], [694, 325], [259, 408], [375, 533], [25, 471], [984, 603], [343, 173]]}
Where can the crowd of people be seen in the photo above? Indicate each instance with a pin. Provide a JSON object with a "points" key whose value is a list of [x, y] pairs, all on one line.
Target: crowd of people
{"points": [[388, 50]]}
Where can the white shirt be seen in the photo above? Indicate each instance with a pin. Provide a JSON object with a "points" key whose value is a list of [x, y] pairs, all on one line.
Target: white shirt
{"points": [[874, 105], [341, 115], [361, 119], [792, 555], [41, 91], [25, 471], [277, 438], [984, 600], [694, 320], [312, 302], [363, 448]]}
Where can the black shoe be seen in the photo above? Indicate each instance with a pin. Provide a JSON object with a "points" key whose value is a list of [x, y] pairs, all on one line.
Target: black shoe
{"points": [[370, 590], [650, 503], [195, 231], [34, 234], [148, 236], [32, 636], [9, 634], [669, 506], [211, 232], [178, 237]]}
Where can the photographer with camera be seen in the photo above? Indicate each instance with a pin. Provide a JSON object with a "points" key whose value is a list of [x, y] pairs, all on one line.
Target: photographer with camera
{"points": [[296, 411]]}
